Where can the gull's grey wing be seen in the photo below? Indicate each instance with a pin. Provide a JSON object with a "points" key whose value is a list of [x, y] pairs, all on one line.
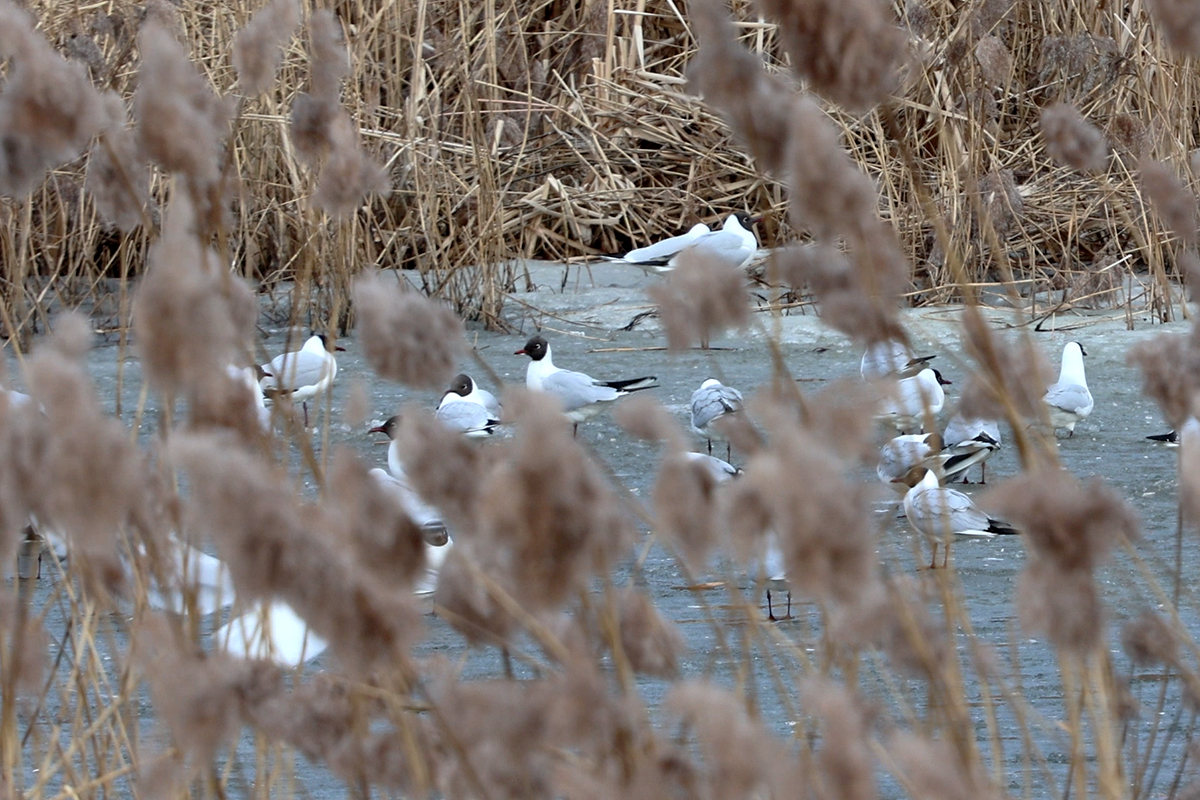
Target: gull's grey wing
{"points": [[883, 359], [576, 390], [720, 245], [933, 509], [490, 403], [290, 371], [464, 417], [667, 247], [710, 402], [1069, 397], [899, 456]]}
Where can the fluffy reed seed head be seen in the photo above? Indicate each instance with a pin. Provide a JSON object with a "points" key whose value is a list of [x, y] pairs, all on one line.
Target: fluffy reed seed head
{"points": [[258, 47], [1149, 640], [1178, 21], [181, 123], [704, 296], [92, 475], [651, 643], [116, 176], [190, 320], [314, 111], [276, 546], [1006, 373], [733, 80], [1070, 527], [1173, 202], [1071, 140], [349, 173], [1170, 365], [49, 110], [407, 337], [847, 52]]}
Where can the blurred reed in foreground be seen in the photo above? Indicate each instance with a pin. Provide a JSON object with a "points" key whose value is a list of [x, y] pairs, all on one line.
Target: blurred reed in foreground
{"points": [[542, 525]]}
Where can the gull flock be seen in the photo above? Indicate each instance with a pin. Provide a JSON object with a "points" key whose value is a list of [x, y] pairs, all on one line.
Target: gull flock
{"points": [[918, 463]]}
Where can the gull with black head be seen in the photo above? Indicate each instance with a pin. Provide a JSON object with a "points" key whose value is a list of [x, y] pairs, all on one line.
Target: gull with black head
{"points": [[734, 244], [581, 396]]}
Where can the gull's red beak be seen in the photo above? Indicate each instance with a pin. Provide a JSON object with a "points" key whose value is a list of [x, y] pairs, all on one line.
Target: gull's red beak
{"points": [[378, 429], [339, 348], [520, 352]]}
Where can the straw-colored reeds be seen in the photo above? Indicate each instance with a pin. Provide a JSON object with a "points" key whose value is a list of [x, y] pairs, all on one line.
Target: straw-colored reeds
{"points": [[540, 129]]}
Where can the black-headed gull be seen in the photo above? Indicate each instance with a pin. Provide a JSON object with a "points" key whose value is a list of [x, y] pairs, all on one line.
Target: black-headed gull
{"points": [[734, 244], [302, 374], [891, 359], [940, 514], [913, 399], [465, 387], [1069, 400], [969, 442], [903, 455], [581, 396], [468, 417], [712, 401]]}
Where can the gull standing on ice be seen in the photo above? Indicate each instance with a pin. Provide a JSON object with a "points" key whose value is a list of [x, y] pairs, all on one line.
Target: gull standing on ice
{"points": [[581, 396], [735, 244], [302, 374], [891, 359], [711, 402], [1069, 400], [433, 527], [969, 442], [912, 398], [941, 513]]}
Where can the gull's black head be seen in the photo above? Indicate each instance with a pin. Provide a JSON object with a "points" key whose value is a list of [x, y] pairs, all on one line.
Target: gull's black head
{"points": [[536, 348], [462, 384], [745, 220], [940, 379], [327, 340], [389, 427]]}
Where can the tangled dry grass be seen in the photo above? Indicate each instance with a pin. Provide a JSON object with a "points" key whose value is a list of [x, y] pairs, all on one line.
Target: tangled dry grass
{"points": [[557, 134], [531, 129]]}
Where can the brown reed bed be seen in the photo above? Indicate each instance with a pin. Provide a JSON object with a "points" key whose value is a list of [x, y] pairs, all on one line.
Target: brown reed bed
{"points": [[530, 130], [541, 130]]}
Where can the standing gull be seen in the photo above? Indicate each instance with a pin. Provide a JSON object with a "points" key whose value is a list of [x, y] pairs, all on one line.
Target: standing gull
{"points": [[581, 396], [1069, 400], [941, 513], [302, 374], [913, 398], [735, 244], [711, 402], [969, 442]]}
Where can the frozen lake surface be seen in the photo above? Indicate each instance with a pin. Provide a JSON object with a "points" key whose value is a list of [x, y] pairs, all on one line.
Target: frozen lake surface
{"points": [[582, 323]]}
